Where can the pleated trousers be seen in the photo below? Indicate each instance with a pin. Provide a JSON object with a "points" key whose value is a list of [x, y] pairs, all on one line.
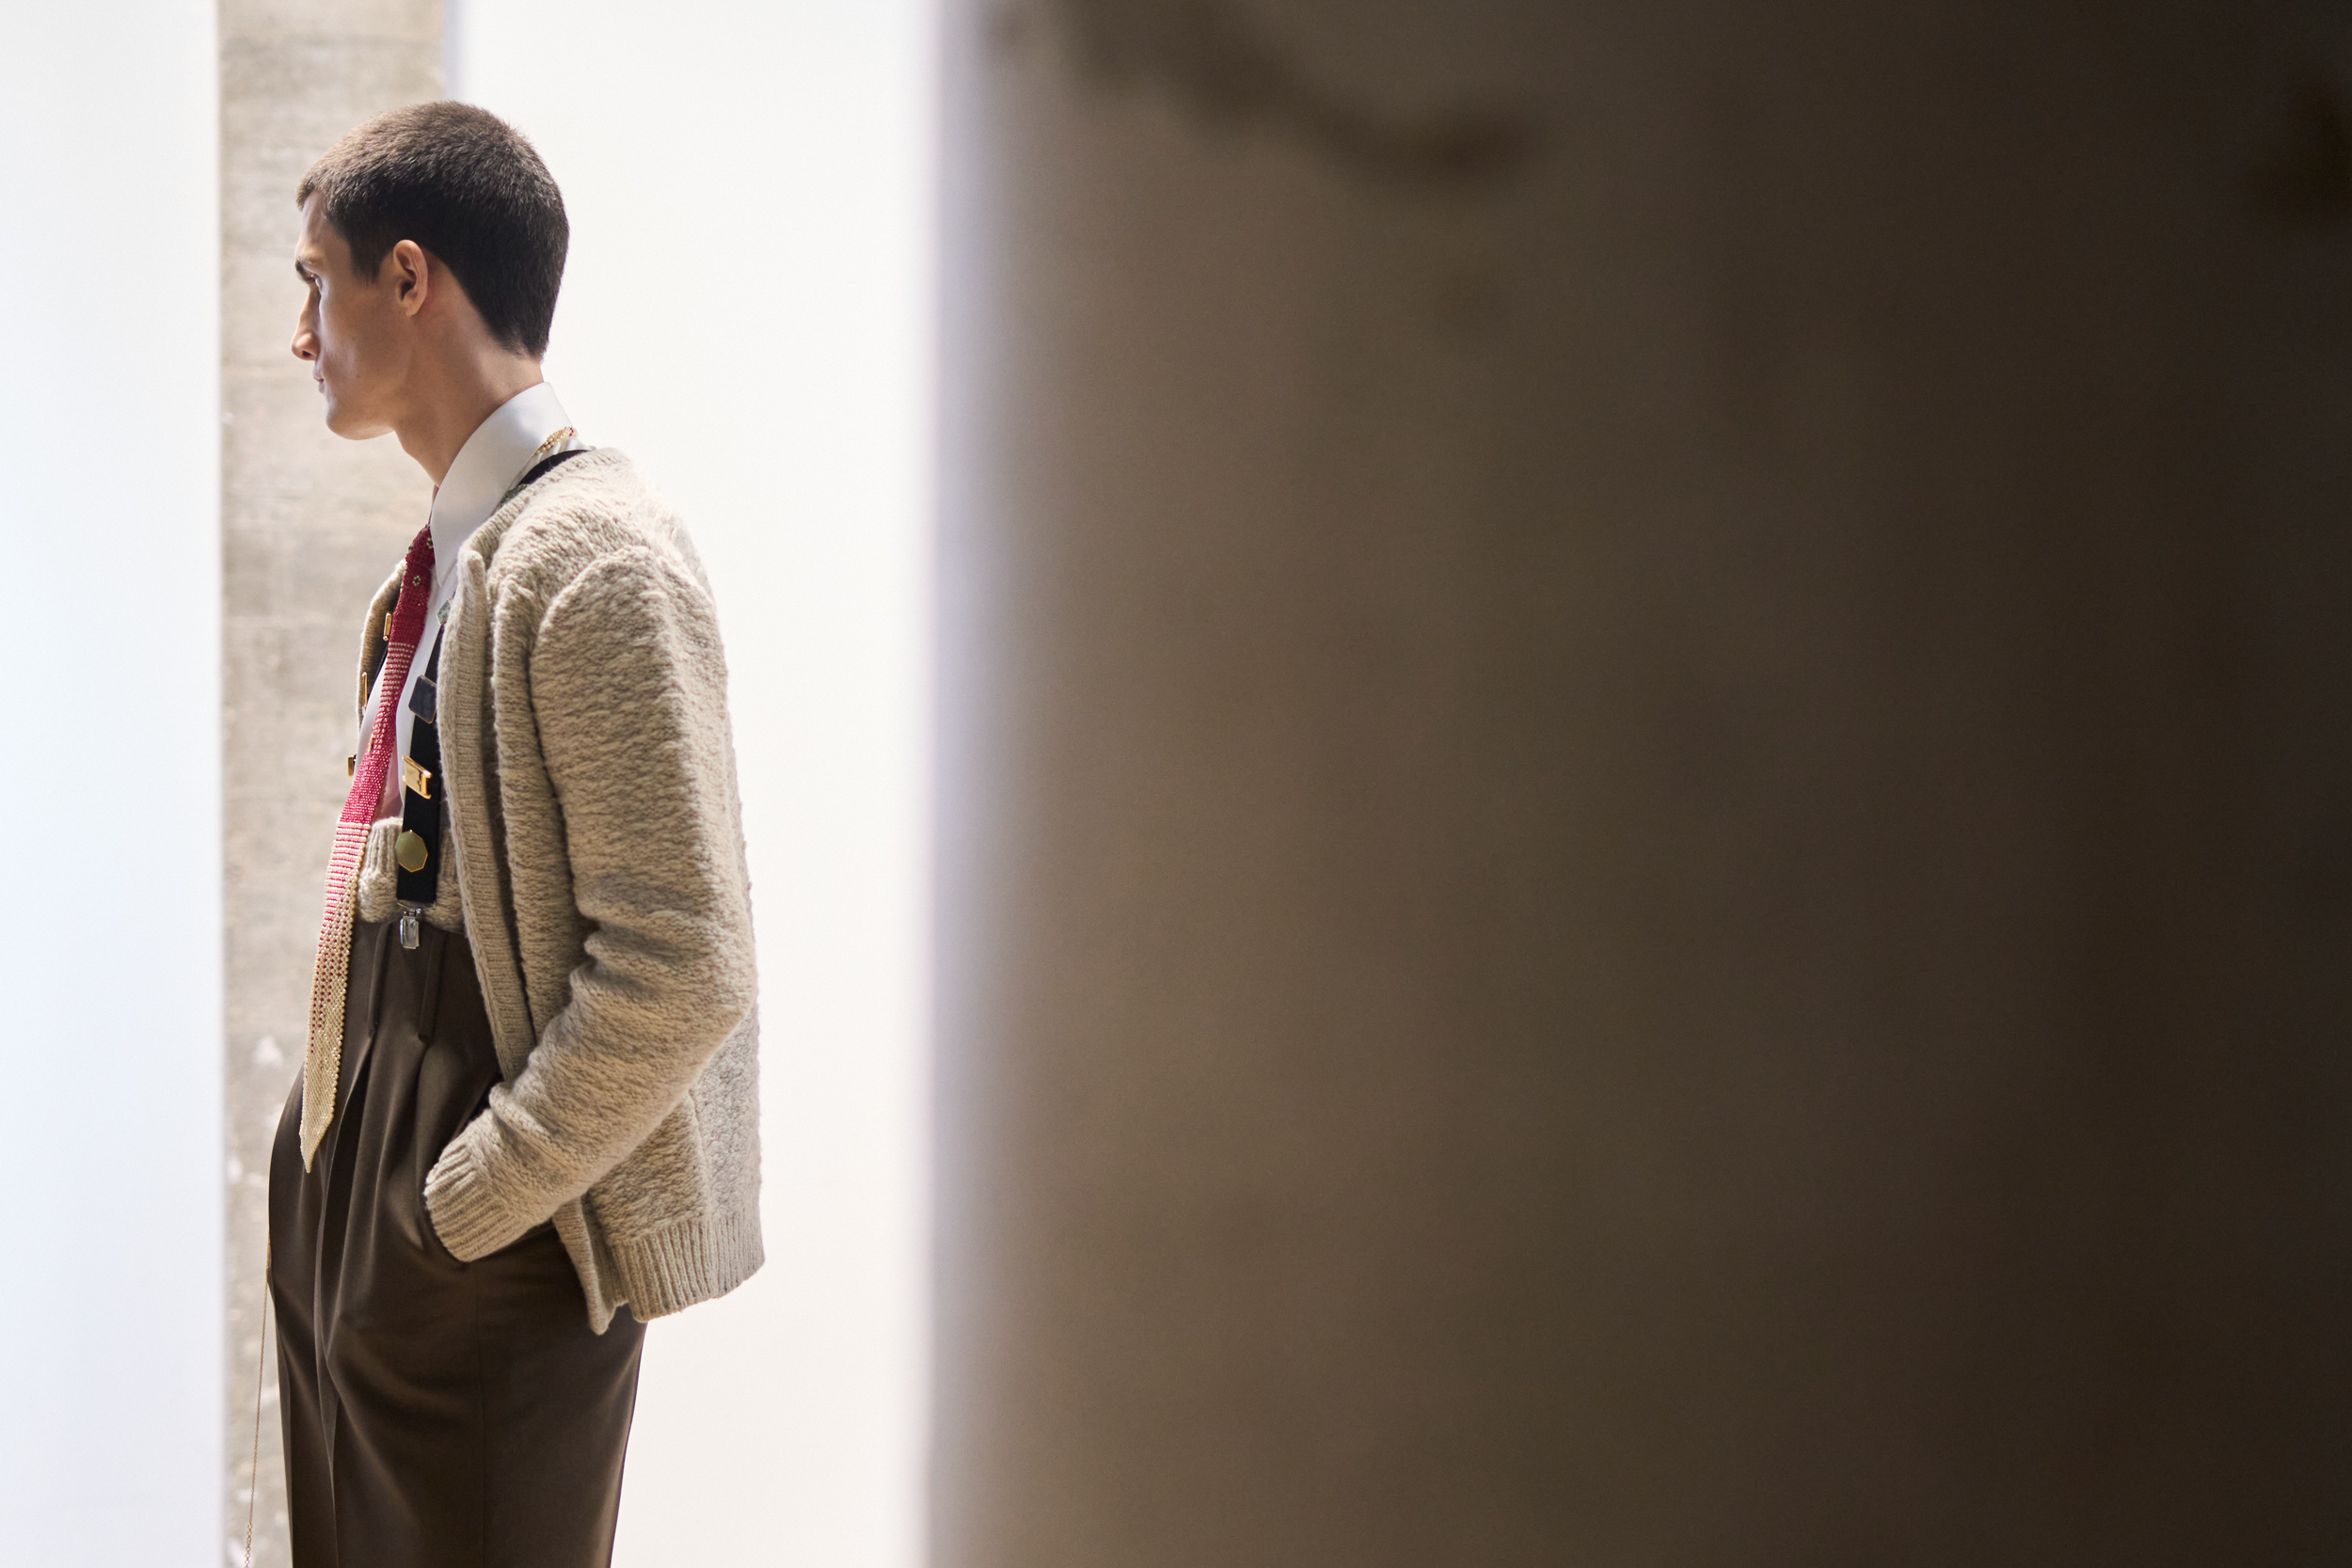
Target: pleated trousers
{"points": [[437, 1414]]}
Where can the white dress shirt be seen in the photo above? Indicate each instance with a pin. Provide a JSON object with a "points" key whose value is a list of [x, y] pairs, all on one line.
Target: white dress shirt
{"points": [[497, 454]]}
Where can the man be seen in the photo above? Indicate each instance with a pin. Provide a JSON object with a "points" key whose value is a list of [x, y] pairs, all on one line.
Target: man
{"points": [[527, 1116]]}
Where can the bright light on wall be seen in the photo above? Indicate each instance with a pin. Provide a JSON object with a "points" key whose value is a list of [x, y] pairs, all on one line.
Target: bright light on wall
{"points": [[110, 1397], [746, 313]]}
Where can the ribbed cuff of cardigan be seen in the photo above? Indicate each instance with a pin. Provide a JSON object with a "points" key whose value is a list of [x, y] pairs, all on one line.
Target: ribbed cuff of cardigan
{"points": [[692, 1261], [463, 1209]]}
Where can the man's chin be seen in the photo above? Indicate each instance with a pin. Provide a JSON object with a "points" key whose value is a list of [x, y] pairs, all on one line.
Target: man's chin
{"points": [[350, 424]]}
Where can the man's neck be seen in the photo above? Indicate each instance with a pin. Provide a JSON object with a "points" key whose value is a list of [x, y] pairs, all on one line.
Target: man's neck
{"points": [[446, 410]]}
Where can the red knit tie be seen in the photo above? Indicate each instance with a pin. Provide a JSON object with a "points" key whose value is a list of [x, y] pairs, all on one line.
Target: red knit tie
{"points": [[322, 1062]]}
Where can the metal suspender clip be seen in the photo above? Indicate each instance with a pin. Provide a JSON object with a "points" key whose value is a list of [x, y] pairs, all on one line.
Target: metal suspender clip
{"points": [[418, 847]]}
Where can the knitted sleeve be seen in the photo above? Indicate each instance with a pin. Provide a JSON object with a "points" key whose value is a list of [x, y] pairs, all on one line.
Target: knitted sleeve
{"points": [[628, 694]]}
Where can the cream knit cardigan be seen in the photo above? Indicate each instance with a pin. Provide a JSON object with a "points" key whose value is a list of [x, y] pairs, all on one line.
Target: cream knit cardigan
{"points": [[599, 856]]}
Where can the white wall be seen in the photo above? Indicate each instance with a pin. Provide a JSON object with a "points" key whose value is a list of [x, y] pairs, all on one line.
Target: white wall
{"points": [[109, 788], [746, 313]]}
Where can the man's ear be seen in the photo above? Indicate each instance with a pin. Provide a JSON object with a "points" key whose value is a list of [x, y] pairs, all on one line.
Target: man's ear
{"points": [[410, 276]]}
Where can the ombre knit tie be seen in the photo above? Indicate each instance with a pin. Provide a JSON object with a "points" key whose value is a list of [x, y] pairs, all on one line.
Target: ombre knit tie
{"points": [[321, 1060]]}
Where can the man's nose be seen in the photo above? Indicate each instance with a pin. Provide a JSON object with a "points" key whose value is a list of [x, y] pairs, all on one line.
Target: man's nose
{"points": [[306, 339]]}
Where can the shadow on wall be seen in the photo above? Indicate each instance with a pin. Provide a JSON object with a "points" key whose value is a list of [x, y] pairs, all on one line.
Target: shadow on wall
{"points": [[1226, 71]]}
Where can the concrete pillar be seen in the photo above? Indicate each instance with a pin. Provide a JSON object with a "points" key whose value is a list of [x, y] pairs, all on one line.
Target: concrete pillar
{"points": [[310, 525], [1646, 808]]}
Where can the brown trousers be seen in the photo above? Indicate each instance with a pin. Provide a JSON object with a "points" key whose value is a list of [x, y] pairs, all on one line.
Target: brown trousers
{"points": [[437, 1414]]}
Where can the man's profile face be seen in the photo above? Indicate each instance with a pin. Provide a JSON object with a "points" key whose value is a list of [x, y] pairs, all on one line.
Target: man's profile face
{"points": [[352, 332]]}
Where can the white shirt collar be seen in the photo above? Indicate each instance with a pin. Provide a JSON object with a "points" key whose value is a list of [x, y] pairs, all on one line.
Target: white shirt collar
{"points": [[492, 459]]}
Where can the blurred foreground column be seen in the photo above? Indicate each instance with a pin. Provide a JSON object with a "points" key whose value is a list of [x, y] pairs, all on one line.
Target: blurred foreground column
{"points": [[1646, 788]]}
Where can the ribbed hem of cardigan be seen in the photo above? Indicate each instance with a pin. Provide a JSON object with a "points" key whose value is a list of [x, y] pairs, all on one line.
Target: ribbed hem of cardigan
{"points": [[692, 1261], [461, 1209]]}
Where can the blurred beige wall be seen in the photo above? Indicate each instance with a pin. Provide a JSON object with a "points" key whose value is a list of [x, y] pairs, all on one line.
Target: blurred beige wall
{"points": [[1645, 809], [310, 525]]}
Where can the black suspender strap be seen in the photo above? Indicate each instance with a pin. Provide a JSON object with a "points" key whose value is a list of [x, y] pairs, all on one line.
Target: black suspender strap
{"points": [[546, 465], [421, 791]]}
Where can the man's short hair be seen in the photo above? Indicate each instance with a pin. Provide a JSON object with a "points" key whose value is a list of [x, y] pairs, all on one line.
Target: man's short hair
{"points": [[465, 185]]}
